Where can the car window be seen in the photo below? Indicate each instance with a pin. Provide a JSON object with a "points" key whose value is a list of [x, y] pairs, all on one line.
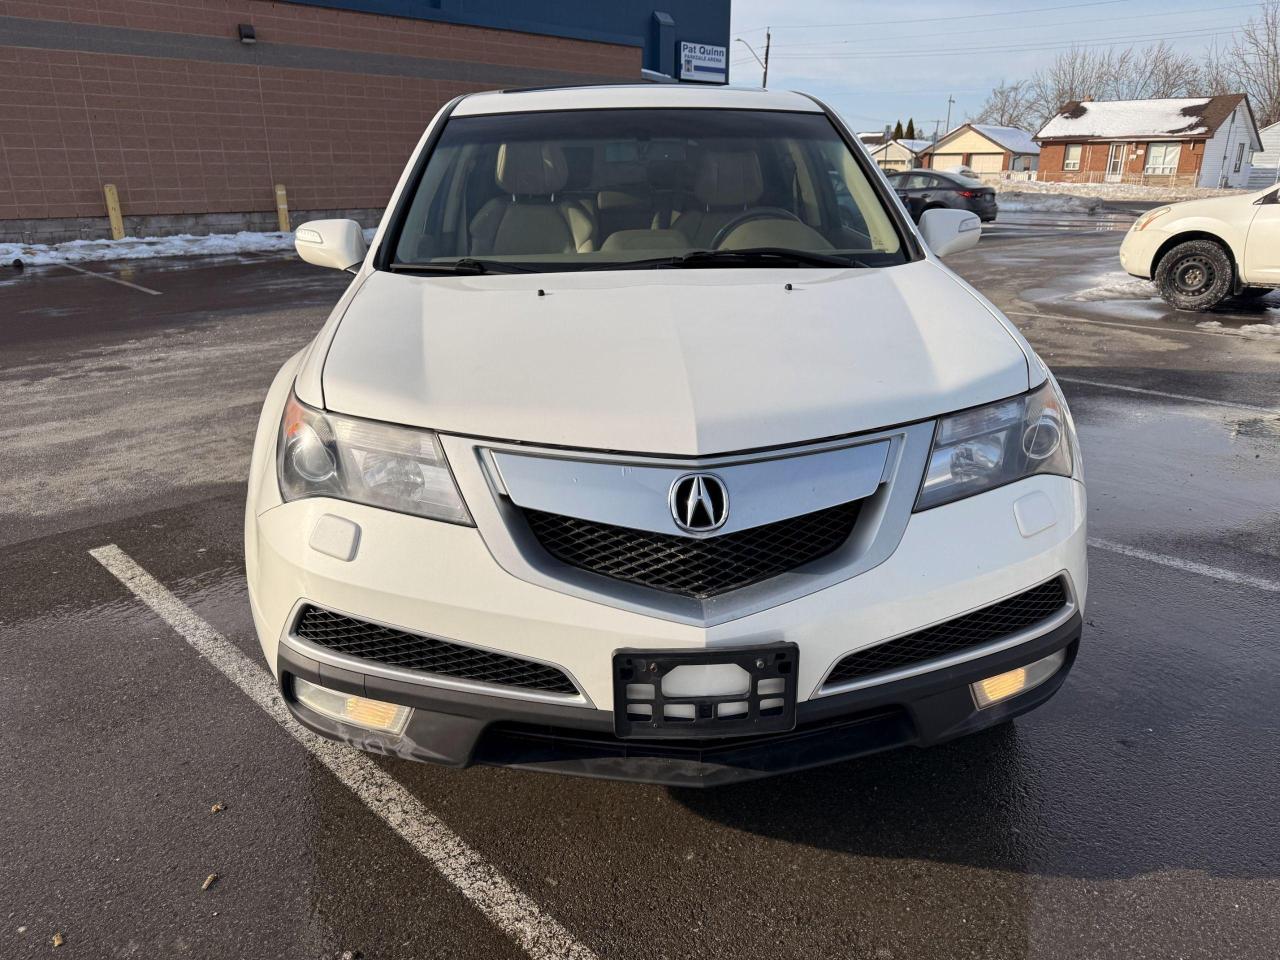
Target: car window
{"points": [[592, 189], [916, 181]]}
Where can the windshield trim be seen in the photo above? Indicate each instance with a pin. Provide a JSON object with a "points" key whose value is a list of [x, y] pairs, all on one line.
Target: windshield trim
{"points": [[911, 248], [876, 177], [391, 236]]}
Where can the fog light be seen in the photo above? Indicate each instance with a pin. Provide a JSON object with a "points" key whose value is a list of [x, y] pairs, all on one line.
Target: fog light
{"points": [[1002, 686], [347, 707]]}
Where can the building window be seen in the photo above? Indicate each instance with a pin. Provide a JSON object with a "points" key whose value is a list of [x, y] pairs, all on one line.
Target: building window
{"points": [[1071, 157], [1162, 158], [1239, 157]]}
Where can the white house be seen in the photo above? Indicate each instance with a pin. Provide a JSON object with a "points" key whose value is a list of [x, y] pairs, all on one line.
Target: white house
{"points": [[1266, 165], [899, 154]]}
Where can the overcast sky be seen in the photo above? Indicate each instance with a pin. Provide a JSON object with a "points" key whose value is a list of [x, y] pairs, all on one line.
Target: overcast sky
{"points": [[876, 62]]}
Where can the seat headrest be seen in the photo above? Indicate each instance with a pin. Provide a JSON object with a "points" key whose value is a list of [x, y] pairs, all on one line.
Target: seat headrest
{"points": [[729, 179], [537, 169]]}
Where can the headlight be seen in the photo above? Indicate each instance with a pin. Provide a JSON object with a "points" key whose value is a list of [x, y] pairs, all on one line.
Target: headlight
{"points": [[1002, 442], [398, 468], [1147, 218]]}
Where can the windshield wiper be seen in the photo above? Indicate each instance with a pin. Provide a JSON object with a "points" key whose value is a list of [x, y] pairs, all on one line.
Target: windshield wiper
{"points": [[758, 257], [466, 266]]}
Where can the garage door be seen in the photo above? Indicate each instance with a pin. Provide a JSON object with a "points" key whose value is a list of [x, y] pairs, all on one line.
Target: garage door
{"points": [[945, 161], [986, 162]]}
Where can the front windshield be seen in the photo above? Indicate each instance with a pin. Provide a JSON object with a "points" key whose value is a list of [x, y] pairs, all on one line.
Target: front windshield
{"points": [[603, 189]]}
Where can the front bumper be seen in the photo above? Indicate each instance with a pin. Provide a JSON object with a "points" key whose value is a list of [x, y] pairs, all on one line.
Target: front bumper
{"points": [[1138, 251], [459, 728], [440, 579]]}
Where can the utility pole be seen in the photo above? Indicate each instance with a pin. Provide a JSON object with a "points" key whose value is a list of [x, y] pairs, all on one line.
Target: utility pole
{"points": [[764, 64], [768, 41], [950, 101]]}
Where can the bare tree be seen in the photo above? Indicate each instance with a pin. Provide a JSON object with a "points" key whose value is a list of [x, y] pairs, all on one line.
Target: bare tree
{"points": [[1159, 71], [1008, 105], [1253, 63], [1074, 74], [1215, 73], [1133, 73], [1249, 63]]}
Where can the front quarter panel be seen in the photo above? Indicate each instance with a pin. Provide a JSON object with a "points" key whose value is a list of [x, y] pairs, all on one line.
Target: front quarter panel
{"points": [[1225, 219], [264, 490]]}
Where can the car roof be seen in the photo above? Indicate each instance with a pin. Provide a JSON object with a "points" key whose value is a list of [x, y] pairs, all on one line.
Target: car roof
{"points": [[631, 96], [940, 174]]}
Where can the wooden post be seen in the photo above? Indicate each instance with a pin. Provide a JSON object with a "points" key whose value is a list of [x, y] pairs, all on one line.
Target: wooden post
{"points": [[282, 208], [113, 210]]}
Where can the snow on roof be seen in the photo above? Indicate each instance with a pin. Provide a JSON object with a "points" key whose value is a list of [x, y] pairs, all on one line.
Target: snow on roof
{"points": [[1122, 119], [912, 146], [1011, 138]]}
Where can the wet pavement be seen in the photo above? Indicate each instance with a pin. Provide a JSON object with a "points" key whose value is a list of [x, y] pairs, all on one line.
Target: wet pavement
{"points": [[1133, 816]]}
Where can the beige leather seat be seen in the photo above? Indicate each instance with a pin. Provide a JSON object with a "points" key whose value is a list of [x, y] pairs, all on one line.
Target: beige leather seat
{"points": [[728, 183], [529, 219]]}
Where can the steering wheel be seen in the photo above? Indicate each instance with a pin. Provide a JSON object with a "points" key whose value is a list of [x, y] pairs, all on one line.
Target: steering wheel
{"points": [[750, 216]]}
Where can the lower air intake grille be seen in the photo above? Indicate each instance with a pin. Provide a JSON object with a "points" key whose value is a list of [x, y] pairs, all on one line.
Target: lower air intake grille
{"points": [[694, 567], [369, 641], [971, 630]]}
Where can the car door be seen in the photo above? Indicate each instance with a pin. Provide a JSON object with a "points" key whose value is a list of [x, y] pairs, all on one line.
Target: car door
{"points": [[910, 188], [933, 190], [1261, 265]]}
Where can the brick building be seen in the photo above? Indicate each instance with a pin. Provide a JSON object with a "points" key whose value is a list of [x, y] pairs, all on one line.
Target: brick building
{"points": [[1200, 141], [195, 126]]}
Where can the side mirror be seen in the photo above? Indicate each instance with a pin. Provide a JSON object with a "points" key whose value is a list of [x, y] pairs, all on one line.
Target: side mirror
{"points": [[331, 243], [950, 231]]}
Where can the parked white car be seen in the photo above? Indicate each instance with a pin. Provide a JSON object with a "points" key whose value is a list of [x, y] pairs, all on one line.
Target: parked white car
{"points": [[635, 449], [1201, 252]]}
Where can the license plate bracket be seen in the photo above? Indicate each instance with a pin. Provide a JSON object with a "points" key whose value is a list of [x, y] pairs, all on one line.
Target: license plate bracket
{"points": [[642, 710]]}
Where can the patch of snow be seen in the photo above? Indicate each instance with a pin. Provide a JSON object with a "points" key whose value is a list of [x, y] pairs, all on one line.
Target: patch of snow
{"points": [[1262, 329], [1131, 119], [915, 146], [1210, 325], [1018, 201], [1112, 191], [134, 248], [1011, 138], [1117, 286]]}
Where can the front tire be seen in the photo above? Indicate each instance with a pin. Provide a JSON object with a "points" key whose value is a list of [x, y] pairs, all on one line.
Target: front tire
{"points": [[1196, 275]]}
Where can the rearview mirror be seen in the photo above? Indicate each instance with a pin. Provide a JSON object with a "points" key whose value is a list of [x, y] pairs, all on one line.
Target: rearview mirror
{"points": [[331, 243], [950, 231]]}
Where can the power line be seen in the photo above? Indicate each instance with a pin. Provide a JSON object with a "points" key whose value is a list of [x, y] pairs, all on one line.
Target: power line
{"points": [[965, 16], [1023, 47], [1030, 26]]}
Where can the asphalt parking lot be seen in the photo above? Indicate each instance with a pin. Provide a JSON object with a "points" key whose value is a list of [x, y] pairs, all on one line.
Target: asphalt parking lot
{"points": [[1133, 816]]}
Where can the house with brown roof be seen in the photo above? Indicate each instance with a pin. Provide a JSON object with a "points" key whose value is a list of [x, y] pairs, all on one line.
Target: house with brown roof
{"points": [[983, 148], [1186, 141]]}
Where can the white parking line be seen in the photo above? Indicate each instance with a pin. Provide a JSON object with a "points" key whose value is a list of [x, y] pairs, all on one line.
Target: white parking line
{"points": [[1188, 398], [474, 877], [1188, 566], [103, 276]]}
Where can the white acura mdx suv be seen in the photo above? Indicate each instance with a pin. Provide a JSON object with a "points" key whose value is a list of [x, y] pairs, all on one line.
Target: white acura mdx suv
{"points": [[651, 440]]}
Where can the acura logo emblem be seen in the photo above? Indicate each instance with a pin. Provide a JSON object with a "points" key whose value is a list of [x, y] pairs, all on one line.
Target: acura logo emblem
{"points": [[699, 502]]}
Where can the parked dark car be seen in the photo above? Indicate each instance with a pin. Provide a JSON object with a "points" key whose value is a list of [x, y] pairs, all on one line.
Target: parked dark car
{"points": [[923, 190]]}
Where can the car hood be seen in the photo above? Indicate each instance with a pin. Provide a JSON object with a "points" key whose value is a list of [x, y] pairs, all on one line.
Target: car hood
{"points": [[1215, 206], [680, 362]]}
